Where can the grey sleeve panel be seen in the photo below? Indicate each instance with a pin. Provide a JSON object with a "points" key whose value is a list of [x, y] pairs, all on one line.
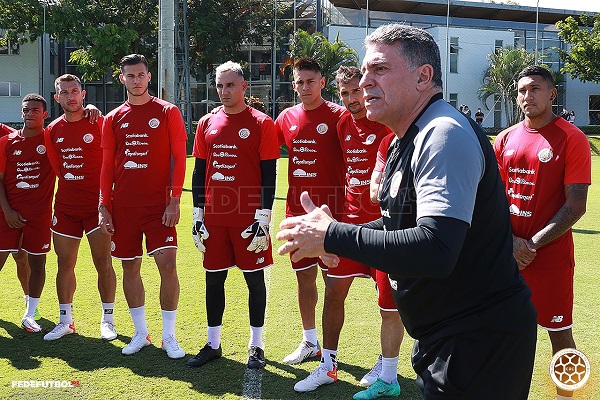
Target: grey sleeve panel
{"points": [[448, 164]]}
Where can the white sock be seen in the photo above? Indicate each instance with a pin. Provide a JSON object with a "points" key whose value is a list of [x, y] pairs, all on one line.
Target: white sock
{"points": [[559, 397], [214, 336], [66, 312], [329, 359], [389, 369], [31, 306], [256, 337], [168, 318], [138, 315], [310, 335], [26, 298], [107, 312]]}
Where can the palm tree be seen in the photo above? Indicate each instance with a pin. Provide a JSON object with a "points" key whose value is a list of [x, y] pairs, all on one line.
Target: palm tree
{"points": [[499, 79], [330, 55]]}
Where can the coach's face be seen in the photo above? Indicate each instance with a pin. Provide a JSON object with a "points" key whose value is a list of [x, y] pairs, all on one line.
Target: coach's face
{"points": [[389, 86]]}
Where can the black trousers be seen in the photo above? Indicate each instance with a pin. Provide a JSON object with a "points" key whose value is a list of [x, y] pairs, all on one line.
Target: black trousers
{"points": [[477, 365]]}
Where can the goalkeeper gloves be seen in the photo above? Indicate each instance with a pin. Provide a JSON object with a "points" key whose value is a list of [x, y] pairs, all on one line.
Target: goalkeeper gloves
{"points": [[199, 232], [260, 230]]}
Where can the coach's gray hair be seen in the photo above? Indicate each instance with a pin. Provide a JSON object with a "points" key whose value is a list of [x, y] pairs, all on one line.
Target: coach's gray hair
{"points": [[415, 45], [230, 66]]}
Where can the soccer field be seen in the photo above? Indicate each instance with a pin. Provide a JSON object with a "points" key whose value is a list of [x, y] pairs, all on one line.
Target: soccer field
{"points": [[99, 371]]}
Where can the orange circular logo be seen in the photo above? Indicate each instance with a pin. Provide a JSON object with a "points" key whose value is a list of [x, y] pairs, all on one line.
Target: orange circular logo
{"points": [[569, 369]]}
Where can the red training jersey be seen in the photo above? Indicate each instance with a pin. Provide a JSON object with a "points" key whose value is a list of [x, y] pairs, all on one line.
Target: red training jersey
{"points": [[5, 129], [360, 142], [233, 146], [140, 143], [316, 163], [76, 157], [28, 176], [535, 165], [384, 146]]}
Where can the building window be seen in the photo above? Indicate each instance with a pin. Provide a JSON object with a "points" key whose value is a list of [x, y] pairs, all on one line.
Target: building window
{"points": [[454, 54], [497, 111], [10, 89], [498, 45], [10, 48], [453, 100], [594, 107]]}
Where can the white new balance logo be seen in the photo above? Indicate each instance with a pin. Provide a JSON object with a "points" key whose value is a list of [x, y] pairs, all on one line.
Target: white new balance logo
{"points": [[169, 239], [557, 318], [17, 153], [124, 125], [260, 260], [60, 140]]}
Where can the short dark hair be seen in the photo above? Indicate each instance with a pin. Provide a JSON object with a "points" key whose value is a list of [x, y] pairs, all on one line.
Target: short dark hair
{"points": [[35, 97], [307, 64], [537, 70], [133, 59], [67, 78], [415, 45], [345, 74]]}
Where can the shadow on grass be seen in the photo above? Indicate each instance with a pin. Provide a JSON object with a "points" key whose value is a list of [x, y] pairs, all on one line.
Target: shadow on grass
{"points": [[586, 231], [221, 377]]}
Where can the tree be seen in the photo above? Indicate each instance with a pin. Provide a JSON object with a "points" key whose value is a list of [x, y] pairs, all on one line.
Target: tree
{"points": [[582, 60], [499, 79], [330, 55]]}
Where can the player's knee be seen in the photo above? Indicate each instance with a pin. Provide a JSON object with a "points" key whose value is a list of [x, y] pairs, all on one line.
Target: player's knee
{"points": [[217, 278]]}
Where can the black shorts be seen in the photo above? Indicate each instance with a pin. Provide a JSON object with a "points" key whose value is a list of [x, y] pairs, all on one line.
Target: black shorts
{"points": [[477, 365]]}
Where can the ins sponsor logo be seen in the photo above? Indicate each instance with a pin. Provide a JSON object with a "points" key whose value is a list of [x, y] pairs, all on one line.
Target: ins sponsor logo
{"points": [[216, 165], [520, 181], [21, 176], [134, 165], [25, 185], [154, 123], [130, 153], [41, 149], [71, 150], [70, 177], [358, 182], [72, 166], [303, 149], [224, 154], [217, 176], [514, 210], [511, 193], [88, 138], [300, 173], [298, 161]]}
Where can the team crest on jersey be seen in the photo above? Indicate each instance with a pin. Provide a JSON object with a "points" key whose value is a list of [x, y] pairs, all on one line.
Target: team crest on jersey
{"points": [[112, 246], [545, 155], [41, 149], [395, 184], [88, 138], [244, 133], [322, 128], [348, 137], [370, 139], [54, 220], [154, 123]]}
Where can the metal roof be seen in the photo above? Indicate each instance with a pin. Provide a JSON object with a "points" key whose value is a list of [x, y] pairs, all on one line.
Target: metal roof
{"points": [[463, 9]]}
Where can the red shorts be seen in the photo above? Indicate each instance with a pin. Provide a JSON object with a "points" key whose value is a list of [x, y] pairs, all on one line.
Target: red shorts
{"points": [[551, 287], [349, 268], [73, 223], [225, 249], [132, 223], [36, 235]]}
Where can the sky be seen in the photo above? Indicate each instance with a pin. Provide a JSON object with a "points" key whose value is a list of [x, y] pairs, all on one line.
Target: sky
{"points": [[582, 5]]}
